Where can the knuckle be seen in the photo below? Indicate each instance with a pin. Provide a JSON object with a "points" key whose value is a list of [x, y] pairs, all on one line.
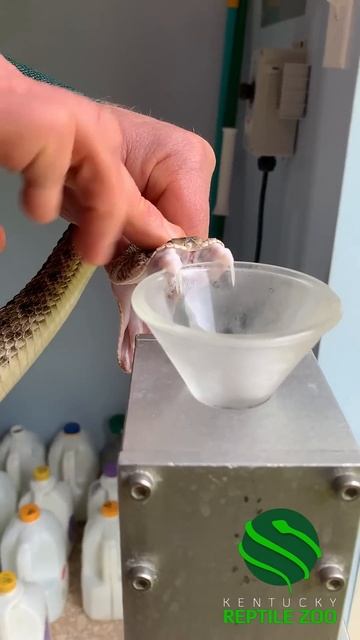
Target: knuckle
{"points": [[201, 149], [60, 121]]}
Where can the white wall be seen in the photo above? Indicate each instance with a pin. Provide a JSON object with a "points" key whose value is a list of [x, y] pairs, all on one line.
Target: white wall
{"points": [[304, 192], [165, 59], [340, 351]]}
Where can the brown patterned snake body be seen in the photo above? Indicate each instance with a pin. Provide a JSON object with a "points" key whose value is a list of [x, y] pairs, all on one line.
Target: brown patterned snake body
{"points": [[32, 318]]}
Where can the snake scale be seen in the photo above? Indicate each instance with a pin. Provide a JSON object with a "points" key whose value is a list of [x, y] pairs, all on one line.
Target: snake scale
{"points": [[33, 317]]}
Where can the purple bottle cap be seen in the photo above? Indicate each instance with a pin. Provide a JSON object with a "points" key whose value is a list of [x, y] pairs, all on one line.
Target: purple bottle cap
{"points": [[110, 470]]}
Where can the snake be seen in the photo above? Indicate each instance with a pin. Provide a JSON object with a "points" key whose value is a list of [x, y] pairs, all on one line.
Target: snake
{"points": [[30, 321]]}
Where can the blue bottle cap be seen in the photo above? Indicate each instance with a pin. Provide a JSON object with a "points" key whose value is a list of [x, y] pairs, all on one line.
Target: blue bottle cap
{"points": [[71, 428]]}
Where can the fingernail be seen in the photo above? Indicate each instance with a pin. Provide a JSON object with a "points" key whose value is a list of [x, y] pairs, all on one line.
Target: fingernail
{"points": [[174, 231]]}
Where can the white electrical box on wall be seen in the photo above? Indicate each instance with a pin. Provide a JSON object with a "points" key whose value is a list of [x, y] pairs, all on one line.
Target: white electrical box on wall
{"points": [[277, 97]]}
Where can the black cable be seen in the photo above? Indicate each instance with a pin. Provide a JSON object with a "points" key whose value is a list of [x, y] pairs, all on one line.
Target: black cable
{"points": [[261, 215], [266, 164]]}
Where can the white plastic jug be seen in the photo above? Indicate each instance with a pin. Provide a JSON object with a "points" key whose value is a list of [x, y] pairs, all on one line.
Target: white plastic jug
{"points": [[20, 452], [101, 565], [72, 458], [34, 547], [8, 499], [23, 613], [55, 496], [103, 490]]}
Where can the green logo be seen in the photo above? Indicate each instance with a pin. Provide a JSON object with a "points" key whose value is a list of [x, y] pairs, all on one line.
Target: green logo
{"points": [[280, 547]]}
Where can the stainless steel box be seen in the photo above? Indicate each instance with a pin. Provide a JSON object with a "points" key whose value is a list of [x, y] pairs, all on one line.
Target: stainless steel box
{"points": [[190, 478]]}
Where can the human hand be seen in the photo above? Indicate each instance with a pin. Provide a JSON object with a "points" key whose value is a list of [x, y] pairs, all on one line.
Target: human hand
{"points": [[112, 172]]}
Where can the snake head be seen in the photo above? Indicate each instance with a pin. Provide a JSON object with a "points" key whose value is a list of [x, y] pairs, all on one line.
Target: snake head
{"points": [[134, 264]]}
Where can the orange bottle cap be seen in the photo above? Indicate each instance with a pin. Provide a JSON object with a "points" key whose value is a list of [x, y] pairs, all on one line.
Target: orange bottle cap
{"points": [[29, 513], [7, 582], [110, 509]]}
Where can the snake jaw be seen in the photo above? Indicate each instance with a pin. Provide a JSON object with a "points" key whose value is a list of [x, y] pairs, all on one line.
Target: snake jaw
{"points": [[129, 327], [134, 264]]}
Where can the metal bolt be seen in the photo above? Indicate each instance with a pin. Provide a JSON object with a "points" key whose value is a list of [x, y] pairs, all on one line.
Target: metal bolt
{"points": [[141, 485], [332, 577], [348, 487], [142, 577]]}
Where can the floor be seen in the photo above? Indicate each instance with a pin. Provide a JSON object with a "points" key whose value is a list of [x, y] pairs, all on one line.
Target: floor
{"points": [[74, 624]]}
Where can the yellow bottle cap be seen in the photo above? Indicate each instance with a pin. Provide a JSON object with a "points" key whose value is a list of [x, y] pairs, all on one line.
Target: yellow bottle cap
{"points": [[110, 509], [29, 513], [7, 582], [41, 473]]}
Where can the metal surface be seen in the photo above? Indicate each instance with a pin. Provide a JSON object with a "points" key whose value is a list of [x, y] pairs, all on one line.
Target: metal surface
{"points": [[300, 425], [213, 471]]}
